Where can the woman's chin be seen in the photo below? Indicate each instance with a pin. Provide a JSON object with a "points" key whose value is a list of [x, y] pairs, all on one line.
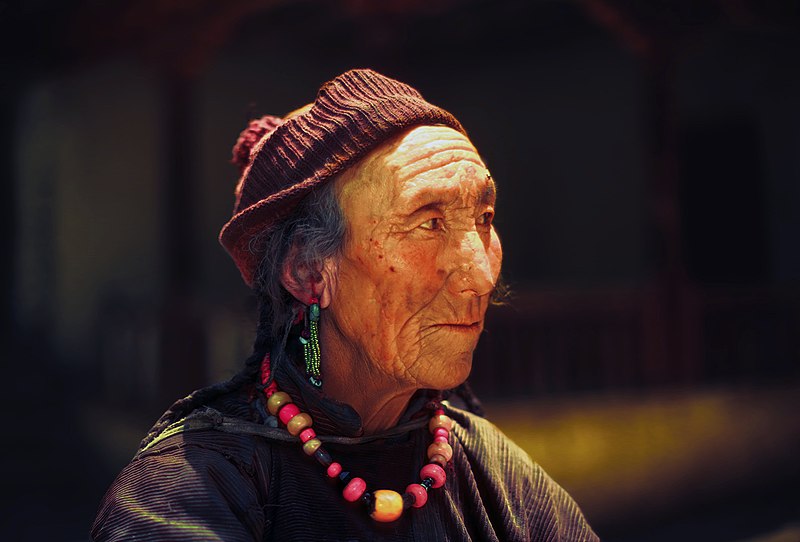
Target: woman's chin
{"points": [[454, 373]]}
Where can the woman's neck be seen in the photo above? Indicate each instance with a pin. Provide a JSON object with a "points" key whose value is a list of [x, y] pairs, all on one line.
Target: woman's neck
{"points": [[351, 379]]}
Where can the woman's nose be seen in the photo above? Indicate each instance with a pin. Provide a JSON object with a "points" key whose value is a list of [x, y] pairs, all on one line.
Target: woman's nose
{"points": [[472, 274]]}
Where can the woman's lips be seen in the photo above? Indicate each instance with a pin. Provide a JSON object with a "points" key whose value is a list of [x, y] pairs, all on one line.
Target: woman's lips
{"points": [[464, 328]]}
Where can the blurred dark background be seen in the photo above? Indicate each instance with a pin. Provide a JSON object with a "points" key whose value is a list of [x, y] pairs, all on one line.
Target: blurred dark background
{"points": [[648, 161]]}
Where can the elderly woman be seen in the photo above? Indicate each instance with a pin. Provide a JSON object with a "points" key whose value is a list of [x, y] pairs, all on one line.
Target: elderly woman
{"points": [[363, 222]]}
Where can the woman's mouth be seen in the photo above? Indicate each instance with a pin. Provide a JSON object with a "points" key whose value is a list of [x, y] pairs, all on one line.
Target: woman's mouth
{"points": [[462, 328]]}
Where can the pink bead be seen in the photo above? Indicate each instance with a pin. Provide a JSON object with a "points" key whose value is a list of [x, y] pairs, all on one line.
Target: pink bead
{"points": [[440, 439], [420, 495], [435, 472], [334, 469], [354, 489], [307, 434], [441, 432], [438, 412], [288, 412]]}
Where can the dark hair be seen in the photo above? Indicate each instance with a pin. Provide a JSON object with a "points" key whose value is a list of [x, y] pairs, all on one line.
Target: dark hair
{"points": [[316, 232], [317, 228]]}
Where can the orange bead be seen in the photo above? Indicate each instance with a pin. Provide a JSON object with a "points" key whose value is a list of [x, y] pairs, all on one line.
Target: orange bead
{"points": [[298, 423], [440, 448], [311, 446], [276, 401], [440, 420], [388, 505]]}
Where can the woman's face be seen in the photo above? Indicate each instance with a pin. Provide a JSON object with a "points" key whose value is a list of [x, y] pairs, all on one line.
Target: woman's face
{"points": [[421, 258]]}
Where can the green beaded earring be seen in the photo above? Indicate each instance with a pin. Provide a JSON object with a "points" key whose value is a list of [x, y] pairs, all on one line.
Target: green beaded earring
{"points": [[309, 338]]}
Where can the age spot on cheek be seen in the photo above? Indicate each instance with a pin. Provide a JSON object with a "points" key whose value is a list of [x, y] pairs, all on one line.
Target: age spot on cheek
{"points": [[391, 268], [440, 273]]}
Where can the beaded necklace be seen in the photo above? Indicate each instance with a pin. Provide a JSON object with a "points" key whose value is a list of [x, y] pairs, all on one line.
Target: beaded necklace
{"points": [[383, 505]]}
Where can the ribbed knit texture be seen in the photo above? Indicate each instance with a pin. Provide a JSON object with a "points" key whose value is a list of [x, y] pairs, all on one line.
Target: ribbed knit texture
{"points": [[256, 130], [351, 115], [209, 485]]}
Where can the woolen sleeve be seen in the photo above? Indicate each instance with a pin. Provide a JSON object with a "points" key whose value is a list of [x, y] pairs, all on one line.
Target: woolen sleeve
{"points": [[188, 487]]}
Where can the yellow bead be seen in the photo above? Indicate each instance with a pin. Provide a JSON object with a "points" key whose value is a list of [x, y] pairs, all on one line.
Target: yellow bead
{"points": [[298, 423], [441, 420], [388, 505], [439, 460], [276, 401], [440, 448], [311, 446]]}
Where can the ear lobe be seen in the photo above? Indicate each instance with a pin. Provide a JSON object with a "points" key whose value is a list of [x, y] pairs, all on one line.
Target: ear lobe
{"points": [[328, 284]]}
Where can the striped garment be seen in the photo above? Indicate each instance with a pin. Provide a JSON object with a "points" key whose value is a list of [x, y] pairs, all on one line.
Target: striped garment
{"points": [[217, 475]]}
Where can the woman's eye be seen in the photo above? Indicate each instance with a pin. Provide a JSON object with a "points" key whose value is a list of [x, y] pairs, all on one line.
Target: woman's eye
{"points": [[432, 224], [486, 218]]}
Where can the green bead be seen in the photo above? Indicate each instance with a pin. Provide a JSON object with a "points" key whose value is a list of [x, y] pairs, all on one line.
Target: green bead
{"points": [[313, 311]]}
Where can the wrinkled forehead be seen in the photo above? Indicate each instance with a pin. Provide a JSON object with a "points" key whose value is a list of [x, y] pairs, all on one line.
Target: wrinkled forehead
{"points": [[428, 148], [424, 152]]}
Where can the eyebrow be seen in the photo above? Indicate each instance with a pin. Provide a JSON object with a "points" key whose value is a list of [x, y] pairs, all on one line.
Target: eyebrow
{"points": [[432, 199], [489, 194]]}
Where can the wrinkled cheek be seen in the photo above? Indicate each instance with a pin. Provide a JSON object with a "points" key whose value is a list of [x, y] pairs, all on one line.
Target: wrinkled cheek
{"points": [[355, 301], [409, 286], [414, 272]]}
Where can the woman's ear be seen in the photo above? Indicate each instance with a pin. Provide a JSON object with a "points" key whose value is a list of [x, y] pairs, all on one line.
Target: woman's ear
{"points": [[305, 283]]}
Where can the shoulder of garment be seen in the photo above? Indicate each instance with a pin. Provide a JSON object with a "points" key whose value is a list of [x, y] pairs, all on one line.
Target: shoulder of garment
{"points": [[515, 491], [199, 484]]}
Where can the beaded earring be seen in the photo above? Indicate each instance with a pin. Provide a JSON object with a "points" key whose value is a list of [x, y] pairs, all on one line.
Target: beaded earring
{"points": [[309, 338]]}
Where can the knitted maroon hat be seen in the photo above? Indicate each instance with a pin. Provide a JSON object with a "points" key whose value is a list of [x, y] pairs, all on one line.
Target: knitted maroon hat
{"points": [[351, 115]]}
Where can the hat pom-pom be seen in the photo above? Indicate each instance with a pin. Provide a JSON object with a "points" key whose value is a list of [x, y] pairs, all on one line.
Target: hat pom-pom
{"points": [[250, 136]]}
